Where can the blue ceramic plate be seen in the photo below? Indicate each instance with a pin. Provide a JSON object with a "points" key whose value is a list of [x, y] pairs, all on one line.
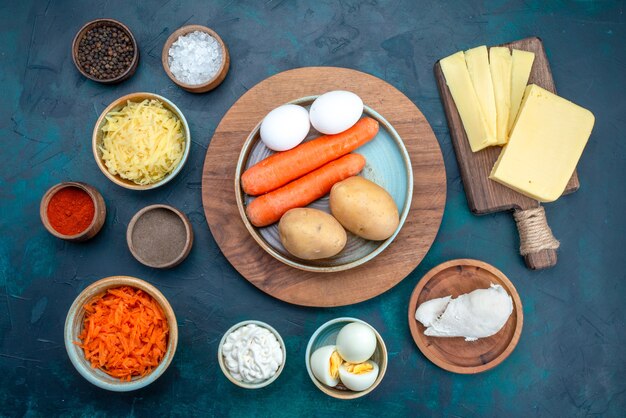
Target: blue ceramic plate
{"points": [[387, 164]]}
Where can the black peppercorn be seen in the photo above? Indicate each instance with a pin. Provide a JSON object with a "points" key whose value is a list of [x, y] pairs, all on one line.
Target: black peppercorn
{"points": [[105, 52]]}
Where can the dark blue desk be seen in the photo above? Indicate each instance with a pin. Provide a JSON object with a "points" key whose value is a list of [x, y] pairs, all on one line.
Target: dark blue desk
{"points": [[571, 359]]}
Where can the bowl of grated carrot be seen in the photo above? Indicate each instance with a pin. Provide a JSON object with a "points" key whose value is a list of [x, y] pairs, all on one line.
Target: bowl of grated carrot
{"points": [[121, 333]]}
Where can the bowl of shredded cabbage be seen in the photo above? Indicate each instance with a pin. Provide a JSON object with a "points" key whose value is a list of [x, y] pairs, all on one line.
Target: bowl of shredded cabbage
{"points": [[141, 141]]}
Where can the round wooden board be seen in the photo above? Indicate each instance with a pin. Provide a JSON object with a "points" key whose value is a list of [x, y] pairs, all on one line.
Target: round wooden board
{"points": [[456, 355], [324, 289]]}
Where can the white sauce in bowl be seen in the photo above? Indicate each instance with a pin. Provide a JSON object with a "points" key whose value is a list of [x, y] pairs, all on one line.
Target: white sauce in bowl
{"points": [[252, 354]]}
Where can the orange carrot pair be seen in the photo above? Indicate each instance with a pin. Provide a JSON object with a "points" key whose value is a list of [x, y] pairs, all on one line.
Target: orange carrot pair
{"points": [[283, 167], [125, 333], [269, 208]]}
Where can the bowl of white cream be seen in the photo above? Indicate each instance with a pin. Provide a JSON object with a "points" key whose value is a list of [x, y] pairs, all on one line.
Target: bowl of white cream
{"points": [[251, 354]]}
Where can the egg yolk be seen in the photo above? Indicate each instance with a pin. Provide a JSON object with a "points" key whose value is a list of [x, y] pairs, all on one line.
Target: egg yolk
{"points": [[335, 362], [359, 368]]}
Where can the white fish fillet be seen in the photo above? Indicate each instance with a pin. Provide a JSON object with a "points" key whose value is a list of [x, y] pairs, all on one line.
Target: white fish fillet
{"points": [[474, 315]]}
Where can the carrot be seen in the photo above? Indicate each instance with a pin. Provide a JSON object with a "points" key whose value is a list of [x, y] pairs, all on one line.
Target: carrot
{"points": [[269, 208], [124, 333], [281, 168]]}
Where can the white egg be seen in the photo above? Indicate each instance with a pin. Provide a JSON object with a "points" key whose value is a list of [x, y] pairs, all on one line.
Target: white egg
{"points": [[335, 111], [285, 127], [356, 342], [325, 366], [358, 381]]}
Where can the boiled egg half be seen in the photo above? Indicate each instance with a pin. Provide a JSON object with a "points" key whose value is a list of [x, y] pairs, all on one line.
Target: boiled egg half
{"points": [[358, 377], [325, 363]]}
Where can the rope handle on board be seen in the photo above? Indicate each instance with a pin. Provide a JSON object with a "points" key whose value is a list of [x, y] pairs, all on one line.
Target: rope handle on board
{"points": [[537, 244]]}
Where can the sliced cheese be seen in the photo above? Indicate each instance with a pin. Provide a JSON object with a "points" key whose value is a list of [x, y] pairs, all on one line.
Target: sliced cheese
{"points": [[458, 80], [142, 142], [521, 64], [477, 60], [546, 143], [500, 65]]}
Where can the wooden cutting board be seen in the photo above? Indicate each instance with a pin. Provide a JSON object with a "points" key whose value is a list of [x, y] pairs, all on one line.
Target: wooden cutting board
{"points": [[324, 289], [484, 195]]}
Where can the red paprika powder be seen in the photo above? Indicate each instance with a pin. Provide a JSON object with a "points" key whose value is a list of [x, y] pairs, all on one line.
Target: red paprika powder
{"points": [[70, 211]]}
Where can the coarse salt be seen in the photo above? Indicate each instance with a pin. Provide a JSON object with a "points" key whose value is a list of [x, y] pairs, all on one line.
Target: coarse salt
{"points": [[195, 58]]}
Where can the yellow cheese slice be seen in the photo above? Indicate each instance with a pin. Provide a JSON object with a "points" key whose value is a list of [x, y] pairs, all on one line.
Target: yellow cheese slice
{"points": [[521, 64], [477, 60], [546, 142], [500, 64], [458, 80]]}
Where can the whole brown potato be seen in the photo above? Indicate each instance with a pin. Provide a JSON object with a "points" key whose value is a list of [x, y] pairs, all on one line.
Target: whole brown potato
{"points": [[364, 208], [311, 234]]}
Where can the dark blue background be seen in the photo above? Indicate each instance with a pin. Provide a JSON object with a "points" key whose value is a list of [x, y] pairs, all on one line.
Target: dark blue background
{"points": [[571, 359]]}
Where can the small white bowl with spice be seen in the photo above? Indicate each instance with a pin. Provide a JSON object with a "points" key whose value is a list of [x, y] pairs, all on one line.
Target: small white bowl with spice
{"points": [[195, 58], [251, 354]]}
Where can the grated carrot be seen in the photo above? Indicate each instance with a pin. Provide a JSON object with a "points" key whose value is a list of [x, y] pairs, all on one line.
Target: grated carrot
{"points": [[124, 333]]}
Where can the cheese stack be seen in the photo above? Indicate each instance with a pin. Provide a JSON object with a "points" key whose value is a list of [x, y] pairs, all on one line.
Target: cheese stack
{"points": [[487, 88], [543, 134]]}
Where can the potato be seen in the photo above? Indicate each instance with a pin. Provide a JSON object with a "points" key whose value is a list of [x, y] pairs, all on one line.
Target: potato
{"points": [[364, 208], [311, 234]]}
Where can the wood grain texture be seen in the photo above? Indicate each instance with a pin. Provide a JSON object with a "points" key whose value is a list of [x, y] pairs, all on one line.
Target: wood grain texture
{"points": [[308, 288], [455, 278], [484, 195]]}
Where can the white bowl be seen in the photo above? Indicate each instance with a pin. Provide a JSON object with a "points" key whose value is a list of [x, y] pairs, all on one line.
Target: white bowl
{"points": [[220, 357], [327, 335]]}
